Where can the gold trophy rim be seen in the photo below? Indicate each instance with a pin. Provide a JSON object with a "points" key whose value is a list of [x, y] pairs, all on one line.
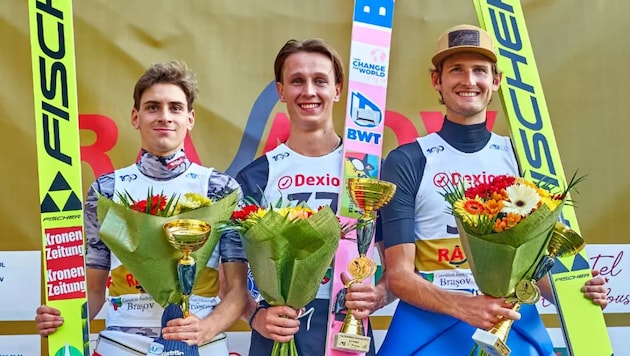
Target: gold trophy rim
{"points": [[380, 196], [196, 240], [203, 228], [564, 241]]}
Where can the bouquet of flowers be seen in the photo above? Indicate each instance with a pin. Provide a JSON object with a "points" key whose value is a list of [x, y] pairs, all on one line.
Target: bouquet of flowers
{"points": [[289, 251], [505, 227], [133, 231]]}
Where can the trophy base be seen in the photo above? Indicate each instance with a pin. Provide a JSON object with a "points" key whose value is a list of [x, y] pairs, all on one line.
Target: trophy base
{"points": [[490, 343], [351, 343]]}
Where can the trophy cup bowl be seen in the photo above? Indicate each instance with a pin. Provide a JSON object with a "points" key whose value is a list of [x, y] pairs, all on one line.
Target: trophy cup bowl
{"points": [[187, 236], [369, 195], [563, 242]]}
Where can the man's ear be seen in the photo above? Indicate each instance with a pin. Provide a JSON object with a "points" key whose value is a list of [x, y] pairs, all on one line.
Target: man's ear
{"points": [[280, 89], [191, 119], [496, 81], [338, 89], [135, 121], [436, 82]]}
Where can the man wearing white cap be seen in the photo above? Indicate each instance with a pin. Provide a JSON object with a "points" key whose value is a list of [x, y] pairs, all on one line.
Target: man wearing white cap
{"points": [[440, 304]]}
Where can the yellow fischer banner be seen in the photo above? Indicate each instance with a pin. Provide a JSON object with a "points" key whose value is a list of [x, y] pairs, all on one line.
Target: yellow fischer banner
{"points": [[535, 145], [59, 168]]}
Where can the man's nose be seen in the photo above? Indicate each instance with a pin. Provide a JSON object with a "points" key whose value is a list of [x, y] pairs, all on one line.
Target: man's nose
{"points": [[165, 114], [469, 78], [309, 89]]}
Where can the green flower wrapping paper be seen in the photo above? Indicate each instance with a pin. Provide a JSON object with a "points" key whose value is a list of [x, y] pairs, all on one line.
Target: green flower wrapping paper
{"points": [[137, 239], [500, 260], [289, 251], [290, 258]]}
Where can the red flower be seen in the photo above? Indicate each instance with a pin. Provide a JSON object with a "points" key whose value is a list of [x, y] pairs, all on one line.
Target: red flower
{"points": [[158, 203], [243, 213], [485, 190]]}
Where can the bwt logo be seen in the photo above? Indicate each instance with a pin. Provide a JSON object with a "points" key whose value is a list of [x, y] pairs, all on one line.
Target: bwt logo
{"points": [[363, 111], [300, 180], [363, 136], [442, 179]]}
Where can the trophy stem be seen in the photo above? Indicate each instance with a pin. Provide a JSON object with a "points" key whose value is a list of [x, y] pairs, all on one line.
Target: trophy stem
{"points": [[364, 233], [186, 268], [185, 305], [502, 328]]}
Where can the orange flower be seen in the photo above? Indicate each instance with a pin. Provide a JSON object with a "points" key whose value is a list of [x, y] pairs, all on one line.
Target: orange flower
{"points": [[474, 207], [493, 207], [500, 195], [507, 222]]}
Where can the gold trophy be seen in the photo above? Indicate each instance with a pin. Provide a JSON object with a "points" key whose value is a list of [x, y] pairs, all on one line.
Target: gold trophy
{"points": [[369, 195], [564, 242], [187, 236]]}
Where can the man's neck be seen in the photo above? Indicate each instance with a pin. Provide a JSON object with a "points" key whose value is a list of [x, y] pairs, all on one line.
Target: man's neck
{"points": [[163, 167], [457, 118], [313, 143]]}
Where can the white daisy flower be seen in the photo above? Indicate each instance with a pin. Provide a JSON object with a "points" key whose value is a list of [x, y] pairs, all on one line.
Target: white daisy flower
{"points": [[522, 199]]}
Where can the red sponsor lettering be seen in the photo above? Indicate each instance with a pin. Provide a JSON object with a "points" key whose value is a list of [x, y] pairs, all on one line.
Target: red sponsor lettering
{"points": [[131, 281], [65, 268], [301, 179], [454, 255]]}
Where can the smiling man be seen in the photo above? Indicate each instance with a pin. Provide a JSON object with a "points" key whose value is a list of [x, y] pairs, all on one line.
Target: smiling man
{"points": [[309, 79], [440, 304]]}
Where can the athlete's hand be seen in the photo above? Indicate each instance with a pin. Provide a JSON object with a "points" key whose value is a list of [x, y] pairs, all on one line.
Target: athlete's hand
{"points": [[189, 330], [362, 298], [48, 320], [483, 311], [595, 289], [278, 323]]}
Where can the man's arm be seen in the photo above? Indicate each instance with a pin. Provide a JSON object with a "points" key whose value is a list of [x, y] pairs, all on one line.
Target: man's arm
{"points": [[50, 319], [232, 304], [363, 298], [195, 331], [96, 282]]}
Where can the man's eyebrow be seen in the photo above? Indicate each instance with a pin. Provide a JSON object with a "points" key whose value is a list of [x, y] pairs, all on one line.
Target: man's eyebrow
{"points": [[172, 102]]}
